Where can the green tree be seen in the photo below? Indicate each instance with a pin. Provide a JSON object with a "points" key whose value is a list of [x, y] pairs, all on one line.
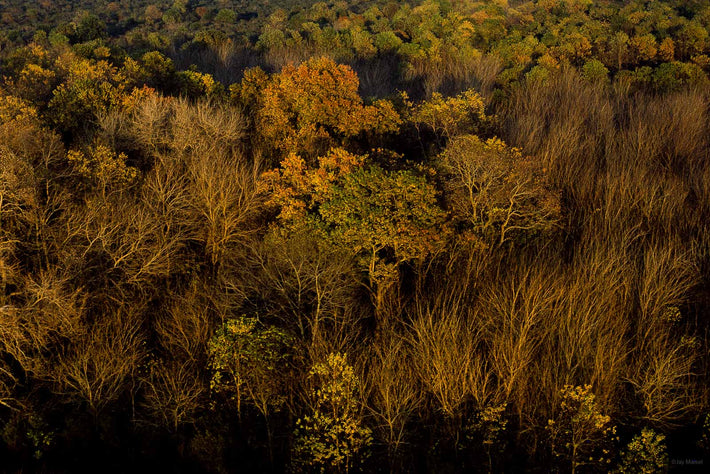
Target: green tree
{"points": [[89, 27], [691, 40], [595, 72], [385, 218], [91, 89], [226, 16], [251, 361]]}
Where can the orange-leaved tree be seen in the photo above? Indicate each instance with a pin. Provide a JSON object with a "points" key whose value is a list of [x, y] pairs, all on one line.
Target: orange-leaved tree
{"points": [[309, 108]]}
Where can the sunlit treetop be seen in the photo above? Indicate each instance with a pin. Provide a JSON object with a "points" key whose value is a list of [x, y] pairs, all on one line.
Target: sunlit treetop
{"points": [[311, 107], [384, 218]]}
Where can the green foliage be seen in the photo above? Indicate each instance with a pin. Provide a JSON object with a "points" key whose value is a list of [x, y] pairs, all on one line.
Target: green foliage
{"points": [[537, 74], [332, 438], [645, 454], [669, 77], [195, 84], [384, 218], [90, 90], [371, 210], [250, 361], [595, 72], [32, 429], [226, 15], [89, 27], [40, 435], [154, 69]]}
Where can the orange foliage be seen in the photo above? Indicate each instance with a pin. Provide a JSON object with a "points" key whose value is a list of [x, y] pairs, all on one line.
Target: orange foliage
{"points": [[307, 108], [294, 187]]}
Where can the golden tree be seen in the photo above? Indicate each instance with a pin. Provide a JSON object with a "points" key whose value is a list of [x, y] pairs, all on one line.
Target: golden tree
{"points": [[332, 437], [309, 108], [497, 191]]}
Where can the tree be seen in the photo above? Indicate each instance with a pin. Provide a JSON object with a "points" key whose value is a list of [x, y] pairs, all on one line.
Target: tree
{"points": [[91, 89], [384, 218], [103, 168], [394, 392], [666, 50], [618, 49], [496, 191], [251, 361], [34, 84], [155, 70], [103, 359], [195, 85], [153, 14], [453, 116], [226, 16], [580, 434], [35, 327], [332, 436], [176, 382], [643, 47], [89, 27], [248, 359], [595, 72], [23, 134], [295, 189], [309, 108], [691, 40], [310, 285], [645, 454]]}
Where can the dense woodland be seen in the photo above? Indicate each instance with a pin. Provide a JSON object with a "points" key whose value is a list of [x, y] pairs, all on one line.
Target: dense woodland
{"points": [[453, 236]]}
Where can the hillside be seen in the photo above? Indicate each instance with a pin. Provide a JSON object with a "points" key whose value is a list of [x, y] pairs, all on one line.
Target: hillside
{"points": [[354, 237]]}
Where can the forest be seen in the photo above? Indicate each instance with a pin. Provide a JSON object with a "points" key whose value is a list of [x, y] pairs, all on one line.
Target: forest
{"points": [[355, 236]]}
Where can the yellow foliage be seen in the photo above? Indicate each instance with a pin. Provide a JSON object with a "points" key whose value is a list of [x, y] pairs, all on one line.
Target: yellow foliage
{"points": [[14, 109], [333, 436], [137, 96], [581, 435], [295, 188], [103, 166], [306, 109], [452, 116]]}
